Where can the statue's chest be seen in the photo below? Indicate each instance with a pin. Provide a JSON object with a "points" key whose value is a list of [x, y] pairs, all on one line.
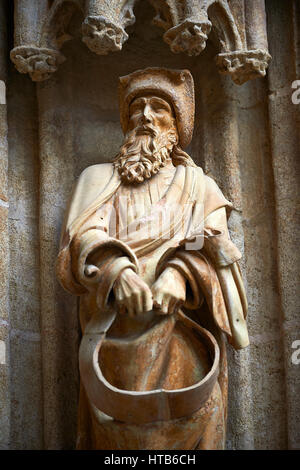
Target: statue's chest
{"points": [[132, 202]]}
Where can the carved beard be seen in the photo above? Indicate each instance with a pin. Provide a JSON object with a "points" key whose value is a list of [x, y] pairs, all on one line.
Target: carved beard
{"points": [[142, 155]]}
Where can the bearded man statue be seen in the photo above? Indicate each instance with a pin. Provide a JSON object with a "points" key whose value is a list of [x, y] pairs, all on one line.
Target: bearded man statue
{"points": [[145, 245]]}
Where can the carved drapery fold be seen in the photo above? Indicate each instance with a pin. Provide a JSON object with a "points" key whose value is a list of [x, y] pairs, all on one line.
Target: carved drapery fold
{"points": [[238, 26]]}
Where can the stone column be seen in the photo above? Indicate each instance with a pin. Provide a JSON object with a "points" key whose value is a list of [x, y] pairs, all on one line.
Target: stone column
{"points": [[284, 18], [4, 243], [59, 320], [218, 127]]}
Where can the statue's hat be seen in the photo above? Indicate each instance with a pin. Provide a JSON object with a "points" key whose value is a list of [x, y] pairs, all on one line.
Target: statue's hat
{"points": [[175, 86]]}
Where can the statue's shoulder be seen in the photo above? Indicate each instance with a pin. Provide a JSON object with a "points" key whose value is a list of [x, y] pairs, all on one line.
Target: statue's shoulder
{"points": [[197, 171], [88, 186], [208, 181], [99, 173], [214, 197]]}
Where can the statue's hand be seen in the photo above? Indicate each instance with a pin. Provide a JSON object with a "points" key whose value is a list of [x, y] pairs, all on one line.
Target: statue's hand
{"points": [[169, 291], [132, 293]]}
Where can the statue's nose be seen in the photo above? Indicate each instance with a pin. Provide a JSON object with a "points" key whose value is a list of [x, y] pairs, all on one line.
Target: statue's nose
{"points": [[147, 115]]}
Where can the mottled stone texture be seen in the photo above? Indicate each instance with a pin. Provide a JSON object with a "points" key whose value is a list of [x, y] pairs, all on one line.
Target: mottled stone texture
{"points": [[284, 137], [5, 397], [24, 285], [246, 137], [239, 30]]}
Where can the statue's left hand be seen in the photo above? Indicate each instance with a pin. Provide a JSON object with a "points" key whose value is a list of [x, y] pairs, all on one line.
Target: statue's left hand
{"points": [[132, 294], [169, 291]]}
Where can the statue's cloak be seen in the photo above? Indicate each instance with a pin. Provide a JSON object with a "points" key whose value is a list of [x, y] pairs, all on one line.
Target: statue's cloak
{"points": [[199, 248]]}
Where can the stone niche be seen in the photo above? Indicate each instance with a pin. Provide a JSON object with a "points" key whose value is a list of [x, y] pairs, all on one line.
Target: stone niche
{"points": [[60, 64]]}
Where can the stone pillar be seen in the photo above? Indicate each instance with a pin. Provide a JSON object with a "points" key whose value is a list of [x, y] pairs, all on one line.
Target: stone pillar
{"points": [[59, 318], [220, 158], [4, 243], [26, 416], [284, 118]]}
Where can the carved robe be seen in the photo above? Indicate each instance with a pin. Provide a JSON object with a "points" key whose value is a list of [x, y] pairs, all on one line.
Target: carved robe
{"points": [[149, 382]]}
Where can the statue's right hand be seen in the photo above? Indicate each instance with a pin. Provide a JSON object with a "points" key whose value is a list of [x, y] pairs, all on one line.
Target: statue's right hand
{"points": [[132, 293]]}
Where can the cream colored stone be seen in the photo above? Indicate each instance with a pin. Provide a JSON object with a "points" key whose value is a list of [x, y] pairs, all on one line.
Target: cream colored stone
{"points": [[232, 142], [141, 289]]}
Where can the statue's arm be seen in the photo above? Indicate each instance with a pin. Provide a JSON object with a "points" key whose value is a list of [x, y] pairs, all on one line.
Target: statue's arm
{"points": [[213, 272], [91, 261], [225, 256], [108, 268], [98, 260], [88, 258]]}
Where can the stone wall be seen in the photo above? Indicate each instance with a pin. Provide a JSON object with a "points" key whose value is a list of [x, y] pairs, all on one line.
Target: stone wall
{"points": [[246, 137]]}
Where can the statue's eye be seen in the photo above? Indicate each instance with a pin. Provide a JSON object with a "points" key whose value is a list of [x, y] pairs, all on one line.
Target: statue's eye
{"points": [[135, 110], [158, 108]]}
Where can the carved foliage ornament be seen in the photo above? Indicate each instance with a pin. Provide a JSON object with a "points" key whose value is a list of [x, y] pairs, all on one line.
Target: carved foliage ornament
{"points": [[186, 24], [104, 26], [237, 26]]}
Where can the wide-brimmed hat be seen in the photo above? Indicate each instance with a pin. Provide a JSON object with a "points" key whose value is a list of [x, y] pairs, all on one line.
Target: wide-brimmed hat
{"points": [[175, 86]]}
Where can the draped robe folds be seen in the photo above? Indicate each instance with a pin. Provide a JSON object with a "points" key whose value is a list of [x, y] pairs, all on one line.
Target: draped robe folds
{"points": [[177, 219]]}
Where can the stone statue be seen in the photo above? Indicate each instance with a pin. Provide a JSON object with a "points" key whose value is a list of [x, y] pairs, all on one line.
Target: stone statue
{"points": [[145, 245]]}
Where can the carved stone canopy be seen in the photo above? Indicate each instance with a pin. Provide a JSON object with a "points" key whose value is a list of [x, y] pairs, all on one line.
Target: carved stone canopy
{"points": [[238, 27]]}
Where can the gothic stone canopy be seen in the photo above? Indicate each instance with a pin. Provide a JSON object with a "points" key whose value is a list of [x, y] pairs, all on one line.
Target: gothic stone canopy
{"points": [[237, 26]]}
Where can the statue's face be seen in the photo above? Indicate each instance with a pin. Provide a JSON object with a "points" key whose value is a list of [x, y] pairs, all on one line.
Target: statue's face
{"points": [[148, 112], [150, 139]]}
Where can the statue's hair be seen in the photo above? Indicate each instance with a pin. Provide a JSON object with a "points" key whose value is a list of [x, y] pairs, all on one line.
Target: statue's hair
{"points": [[180, 157]]}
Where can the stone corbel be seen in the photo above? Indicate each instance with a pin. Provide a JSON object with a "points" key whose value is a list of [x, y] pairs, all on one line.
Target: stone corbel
{"points": [[240, 27], [104, 26], [185, 23], [40, 31]]}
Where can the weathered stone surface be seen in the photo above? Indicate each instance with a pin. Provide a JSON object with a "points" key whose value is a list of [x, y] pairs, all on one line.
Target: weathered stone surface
{"points": [[5, 396], [284, 132], [41, 28], [255, 168], [186, 24], [5, 369], [24, 303], [170, 89], [268, 389], [27, 407], [104, 26]]}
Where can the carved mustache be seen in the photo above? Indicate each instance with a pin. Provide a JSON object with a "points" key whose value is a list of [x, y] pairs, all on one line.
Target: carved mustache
{"points": [[146, 128]]}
